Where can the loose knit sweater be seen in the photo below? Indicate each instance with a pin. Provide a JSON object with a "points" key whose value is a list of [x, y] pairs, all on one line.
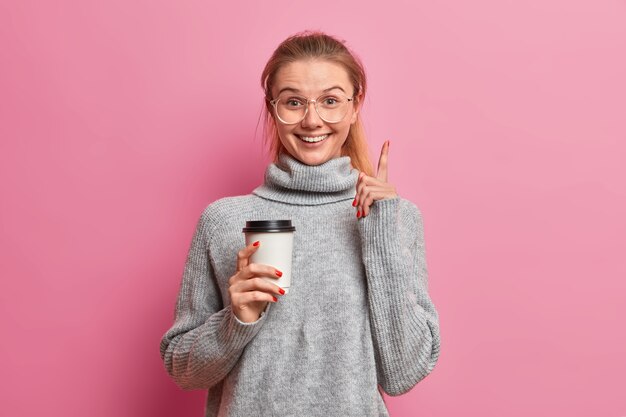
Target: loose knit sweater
{"points": [[357, 315]]}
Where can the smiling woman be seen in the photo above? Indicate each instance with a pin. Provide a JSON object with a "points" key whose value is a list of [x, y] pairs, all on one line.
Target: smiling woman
{"points": [[307, 67], [314, 136], [357, 319]]}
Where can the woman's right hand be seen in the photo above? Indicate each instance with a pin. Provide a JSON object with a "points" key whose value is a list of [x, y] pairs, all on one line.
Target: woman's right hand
{"points": [[249, 293]]}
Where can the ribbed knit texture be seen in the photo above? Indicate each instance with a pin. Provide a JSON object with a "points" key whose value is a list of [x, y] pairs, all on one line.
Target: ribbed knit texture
{"points": [[357, 315]]}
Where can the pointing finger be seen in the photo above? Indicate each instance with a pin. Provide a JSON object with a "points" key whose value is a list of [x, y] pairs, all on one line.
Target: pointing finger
{"points": [[382, 162], [356, 186]]}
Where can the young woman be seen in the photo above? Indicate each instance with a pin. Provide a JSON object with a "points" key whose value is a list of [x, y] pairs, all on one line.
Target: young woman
{"points": [[358, 315]]}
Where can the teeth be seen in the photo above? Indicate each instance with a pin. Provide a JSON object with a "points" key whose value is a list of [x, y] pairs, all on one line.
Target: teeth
{"points": [[313, 139]]}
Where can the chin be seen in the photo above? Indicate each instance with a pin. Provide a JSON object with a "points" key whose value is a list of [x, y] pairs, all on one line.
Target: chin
{"points": [[313, 159], [312, 156]]}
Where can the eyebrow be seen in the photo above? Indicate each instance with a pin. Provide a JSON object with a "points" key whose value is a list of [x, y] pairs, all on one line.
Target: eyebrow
{"points": [[295, 90]]}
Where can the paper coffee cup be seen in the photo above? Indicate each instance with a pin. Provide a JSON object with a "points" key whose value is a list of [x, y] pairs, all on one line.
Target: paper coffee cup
{"points": [[276, 248]]}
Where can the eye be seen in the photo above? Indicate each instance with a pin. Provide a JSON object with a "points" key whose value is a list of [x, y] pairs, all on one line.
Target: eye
{"points": [[331, 102], [293, 102]]}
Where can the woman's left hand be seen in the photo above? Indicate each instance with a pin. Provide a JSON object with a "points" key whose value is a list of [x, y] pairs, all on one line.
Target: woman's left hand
{"points": [[370, 189]]}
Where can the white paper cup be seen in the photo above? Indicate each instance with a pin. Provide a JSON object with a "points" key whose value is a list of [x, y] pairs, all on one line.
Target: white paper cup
{"points": [[276, 248]]}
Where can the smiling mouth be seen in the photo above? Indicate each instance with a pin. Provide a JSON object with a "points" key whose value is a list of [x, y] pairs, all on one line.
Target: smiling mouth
{"points": [[312, 139]]}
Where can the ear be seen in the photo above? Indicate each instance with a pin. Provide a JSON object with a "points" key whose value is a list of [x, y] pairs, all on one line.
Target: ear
{"points": [[357, 107]]}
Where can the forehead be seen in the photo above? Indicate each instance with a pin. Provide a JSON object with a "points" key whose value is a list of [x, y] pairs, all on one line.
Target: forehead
{"points": [[310, 77]]}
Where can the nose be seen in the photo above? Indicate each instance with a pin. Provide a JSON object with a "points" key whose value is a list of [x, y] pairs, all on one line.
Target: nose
{"points": [[312, 119]]}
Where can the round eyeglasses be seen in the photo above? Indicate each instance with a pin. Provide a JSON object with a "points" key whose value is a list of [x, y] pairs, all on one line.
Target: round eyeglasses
{"points": [[291, 109]]}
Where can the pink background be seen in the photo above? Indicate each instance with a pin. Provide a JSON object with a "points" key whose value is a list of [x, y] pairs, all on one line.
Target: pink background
{"points": [[120, 121]]}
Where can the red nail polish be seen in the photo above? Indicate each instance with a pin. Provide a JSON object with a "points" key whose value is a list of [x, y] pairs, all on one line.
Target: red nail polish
{"points": [[256, 243], [281, 291], [275, 299], [354, 203], [279, 274], [358, 214]]}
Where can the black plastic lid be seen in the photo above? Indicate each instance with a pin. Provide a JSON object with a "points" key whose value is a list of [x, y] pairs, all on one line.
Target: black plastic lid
{"points": [[268, 226]]}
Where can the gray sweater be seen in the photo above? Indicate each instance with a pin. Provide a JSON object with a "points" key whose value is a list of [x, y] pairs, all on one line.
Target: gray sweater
{"points": [[357, 315]]}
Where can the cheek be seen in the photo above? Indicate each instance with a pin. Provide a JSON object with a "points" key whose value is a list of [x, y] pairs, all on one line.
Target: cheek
{"points": [[283, 131], [342, 131], [344, 128], [285, 136]]}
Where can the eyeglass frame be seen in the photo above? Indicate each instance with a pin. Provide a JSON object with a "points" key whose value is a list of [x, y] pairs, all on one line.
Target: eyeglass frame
{"points": [[273, 102]]}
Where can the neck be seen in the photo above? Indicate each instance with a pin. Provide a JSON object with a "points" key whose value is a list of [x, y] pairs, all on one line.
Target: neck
{"points": [[290, 181]]}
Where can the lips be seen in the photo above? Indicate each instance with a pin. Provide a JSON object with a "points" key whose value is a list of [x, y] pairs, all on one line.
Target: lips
{"points": [[313, 138]]}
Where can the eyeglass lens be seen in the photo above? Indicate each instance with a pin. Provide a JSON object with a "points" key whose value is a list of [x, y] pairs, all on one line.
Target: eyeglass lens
{"points": [[331, 108]]}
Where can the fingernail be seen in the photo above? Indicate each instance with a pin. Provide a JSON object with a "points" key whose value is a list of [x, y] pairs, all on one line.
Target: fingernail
{"points": [[279, 274], [275, 299], [354, 203], [256, 243], [281, 291], [358, 214]]}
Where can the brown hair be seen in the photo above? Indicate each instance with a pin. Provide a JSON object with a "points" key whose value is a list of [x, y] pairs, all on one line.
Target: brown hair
{"points": [[317, 45]]}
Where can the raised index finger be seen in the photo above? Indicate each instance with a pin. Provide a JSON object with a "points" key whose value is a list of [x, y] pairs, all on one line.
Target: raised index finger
{"points": [[382, 162]]}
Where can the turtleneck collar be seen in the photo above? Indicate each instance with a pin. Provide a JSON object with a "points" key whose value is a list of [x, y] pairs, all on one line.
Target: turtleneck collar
{"points": [[290, 181]]}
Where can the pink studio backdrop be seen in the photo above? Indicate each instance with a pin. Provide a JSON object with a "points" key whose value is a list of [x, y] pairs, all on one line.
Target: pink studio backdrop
{"points": [[120, 121]]}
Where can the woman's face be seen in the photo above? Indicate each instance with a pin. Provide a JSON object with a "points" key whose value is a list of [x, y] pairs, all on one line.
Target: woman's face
{"points": [[310, 79]]}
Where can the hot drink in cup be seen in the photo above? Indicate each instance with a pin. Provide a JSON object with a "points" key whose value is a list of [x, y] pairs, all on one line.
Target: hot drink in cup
{"points": [[276, 248]]}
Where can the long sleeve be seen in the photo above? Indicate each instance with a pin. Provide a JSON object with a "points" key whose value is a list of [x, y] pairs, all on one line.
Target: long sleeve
{"points": [[206, 339], [404, 321]]}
